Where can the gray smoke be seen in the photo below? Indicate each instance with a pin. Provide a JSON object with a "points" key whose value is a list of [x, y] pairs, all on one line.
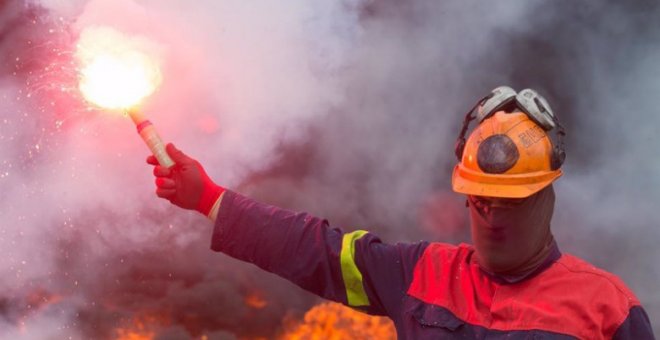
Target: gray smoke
{"points": [[383, 158], [348, 110]]}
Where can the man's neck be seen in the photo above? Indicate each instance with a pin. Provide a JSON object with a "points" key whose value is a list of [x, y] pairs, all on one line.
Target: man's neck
{"points": [[551, 255]]}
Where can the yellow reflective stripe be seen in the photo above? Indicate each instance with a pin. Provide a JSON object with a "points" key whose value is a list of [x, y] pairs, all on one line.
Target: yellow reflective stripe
{"points": [[355, 293]]}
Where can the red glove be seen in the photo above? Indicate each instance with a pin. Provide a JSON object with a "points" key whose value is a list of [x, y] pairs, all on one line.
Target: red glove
{"points": [[185, 184]]}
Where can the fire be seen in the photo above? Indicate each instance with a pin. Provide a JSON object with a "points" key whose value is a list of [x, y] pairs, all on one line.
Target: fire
{"points": [[114, 72], [139, 329], [40, 297], [255, 300], [125, 334], [333, 321], [17, 308]]}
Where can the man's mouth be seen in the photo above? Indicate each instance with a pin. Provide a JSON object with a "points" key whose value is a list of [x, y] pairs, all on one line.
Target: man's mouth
{"points": [[496, 233], [495, 227]]}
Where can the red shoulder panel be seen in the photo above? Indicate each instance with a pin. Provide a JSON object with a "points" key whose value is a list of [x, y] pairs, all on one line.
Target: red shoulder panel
{"points": [[570, 297], [446, 276]]}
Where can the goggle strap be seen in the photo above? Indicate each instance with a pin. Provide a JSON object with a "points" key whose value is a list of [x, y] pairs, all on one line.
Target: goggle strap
{"points": [[469, 116]]}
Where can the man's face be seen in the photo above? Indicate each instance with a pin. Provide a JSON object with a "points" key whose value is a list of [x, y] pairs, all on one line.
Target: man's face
{"points": [[507, 232]]}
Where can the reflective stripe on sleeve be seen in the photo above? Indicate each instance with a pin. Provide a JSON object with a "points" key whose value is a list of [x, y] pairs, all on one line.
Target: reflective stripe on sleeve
{"points": [[355, 293]]}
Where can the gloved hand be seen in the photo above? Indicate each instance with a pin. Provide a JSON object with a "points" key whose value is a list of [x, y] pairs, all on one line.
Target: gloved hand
{"points": [[185, 184]]}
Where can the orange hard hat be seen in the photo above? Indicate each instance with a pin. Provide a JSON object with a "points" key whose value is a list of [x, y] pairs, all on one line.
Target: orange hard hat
{"points": [[507, 155]]}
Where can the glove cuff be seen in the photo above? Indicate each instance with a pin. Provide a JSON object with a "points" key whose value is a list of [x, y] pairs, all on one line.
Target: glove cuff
{"points": [[213, 214], [210, 195]]}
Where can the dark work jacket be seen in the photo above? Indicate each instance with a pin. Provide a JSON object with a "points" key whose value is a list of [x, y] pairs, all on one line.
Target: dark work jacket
{"points": [[429, 290]]}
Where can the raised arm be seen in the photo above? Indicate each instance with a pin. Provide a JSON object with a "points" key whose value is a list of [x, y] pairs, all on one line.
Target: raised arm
{"points": [[354, 268]]}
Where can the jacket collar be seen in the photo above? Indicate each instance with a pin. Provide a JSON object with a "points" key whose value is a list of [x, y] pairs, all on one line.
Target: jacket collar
{"points": [[554, 255]]}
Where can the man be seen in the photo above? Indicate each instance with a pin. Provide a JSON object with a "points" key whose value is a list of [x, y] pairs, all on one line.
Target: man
{"points": [[512, 283]]}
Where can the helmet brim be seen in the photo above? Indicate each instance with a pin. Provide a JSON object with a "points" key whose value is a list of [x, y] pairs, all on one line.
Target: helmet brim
{"points": [[469, 182]]}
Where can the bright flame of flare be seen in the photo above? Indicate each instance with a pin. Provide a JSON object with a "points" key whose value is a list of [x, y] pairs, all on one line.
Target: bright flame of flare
{"points": [[115, 73]]}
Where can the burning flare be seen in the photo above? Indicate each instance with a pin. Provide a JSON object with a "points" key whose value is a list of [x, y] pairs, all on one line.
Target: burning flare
{"points": [[115, 71]]}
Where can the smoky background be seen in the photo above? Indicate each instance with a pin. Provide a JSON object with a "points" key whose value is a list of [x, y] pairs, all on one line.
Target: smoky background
{"points": [[346, 109]]}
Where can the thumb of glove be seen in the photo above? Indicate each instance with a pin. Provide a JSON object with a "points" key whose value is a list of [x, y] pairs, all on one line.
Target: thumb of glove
{"points": [[177, 155]]}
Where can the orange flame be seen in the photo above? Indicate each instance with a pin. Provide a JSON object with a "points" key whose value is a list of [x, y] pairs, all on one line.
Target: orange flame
{"points": [[115, 72], [255, 300], [125, 334], [40, 297], [32, 303], [140, 328], [333, 321]]}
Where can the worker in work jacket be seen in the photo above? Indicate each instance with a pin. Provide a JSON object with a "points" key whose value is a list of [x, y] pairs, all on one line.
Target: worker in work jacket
{"points": [[512, 282]]}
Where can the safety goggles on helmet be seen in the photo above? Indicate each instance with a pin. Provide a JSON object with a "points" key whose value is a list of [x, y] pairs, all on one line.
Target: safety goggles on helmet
{"points": [[528, 100], [509, 154]]}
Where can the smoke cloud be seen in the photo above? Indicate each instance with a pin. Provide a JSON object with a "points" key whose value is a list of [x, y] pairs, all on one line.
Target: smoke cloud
{"points": [[346, 109]]}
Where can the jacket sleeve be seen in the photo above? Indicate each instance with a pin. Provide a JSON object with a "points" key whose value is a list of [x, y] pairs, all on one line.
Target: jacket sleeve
{"points": [[355, 268], [636, 326]]}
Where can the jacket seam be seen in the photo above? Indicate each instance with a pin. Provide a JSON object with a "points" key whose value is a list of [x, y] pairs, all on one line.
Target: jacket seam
{"points": [[611, 282]]}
